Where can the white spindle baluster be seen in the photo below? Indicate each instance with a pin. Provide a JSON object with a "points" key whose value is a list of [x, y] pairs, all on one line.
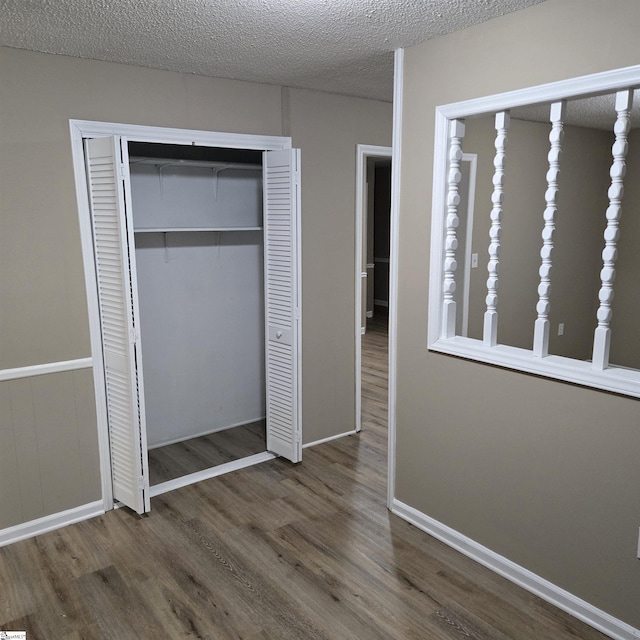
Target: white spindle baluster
{"points": [[541, 329], [602, 336], [490, 334], [456, 133]]}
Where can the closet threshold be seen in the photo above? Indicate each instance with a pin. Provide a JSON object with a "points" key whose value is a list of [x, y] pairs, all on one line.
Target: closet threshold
{"points": [[191, 229], [212, 472]]}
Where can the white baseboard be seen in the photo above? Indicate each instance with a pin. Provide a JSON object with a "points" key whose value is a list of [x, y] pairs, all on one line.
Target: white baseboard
{"points": [[330, 438], [524, 578], [49, 523]]}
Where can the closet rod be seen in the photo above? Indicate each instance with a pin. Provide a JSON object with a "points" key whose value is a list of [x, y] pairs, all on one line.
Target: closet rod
{"points": [[169, 162]]}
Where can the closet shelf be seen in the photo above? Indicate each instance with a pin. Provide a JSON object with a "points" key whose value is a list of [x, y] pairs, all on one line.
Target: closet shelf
{"points": [[189, 229], [170, 162]]}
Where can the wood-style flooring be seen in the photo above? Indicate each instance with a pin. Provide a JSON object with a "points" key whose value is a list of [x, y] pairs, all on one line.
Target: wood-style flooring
{"points": [[197, 454], [271, 552]]}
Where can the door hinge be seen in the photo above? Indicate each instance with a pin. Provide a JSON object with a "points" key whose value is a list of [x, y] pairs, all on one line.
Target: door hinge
{"points": [[132, 336], [297, 313], [141, 482], [120, 170], [296, 177]]}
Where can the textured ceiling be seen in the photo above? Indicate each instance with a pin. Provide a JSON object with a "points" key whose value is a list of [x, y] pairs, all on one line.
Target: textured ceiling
{"points": [[342, 46]]}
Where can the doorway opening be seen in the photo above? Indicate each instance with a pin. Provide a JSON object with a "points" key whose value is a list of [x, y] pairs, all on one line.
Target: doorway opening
{"points": [[373, 228]]}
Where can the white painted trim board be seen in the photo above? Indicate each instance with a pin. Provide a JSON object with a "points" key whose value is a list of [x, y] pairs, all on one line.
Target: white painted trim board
{"points": [[398, 79], [44, 369], [330, 438], [49, 523], [472, 159], [212, 472]]}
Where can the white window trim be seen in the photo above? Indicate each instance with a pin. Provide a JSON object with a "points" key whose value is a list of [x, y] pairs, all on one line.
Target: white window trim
{"points": [[616, 379], [472, 160]]}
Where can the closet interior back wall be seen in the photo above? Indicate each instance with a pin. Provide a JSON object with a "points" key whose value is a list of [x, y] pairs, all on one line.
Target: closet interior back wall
{"points": [[200, 276]]}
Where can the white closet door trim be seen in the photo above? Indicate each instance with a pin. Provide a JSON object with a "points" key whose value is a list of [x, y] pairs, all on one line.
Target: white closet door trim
{"points": [[80, 130], [165, 135]]}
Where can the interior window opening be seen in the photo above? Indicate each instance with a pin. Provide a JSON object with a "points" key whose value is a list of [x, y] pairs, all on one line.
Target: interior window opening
{"points": [[544, 272]]}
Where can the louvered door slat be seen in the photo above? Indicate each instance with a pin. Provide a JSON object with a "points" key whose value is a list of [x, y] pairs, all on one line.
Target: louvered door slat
{"points": [[282, 297], [114, 274]]}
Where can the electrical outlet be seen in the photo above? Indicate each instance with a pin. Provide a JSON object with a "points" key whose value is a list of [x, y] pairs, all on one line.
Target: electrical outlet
{"points": [[561, 329], [474, 260]]}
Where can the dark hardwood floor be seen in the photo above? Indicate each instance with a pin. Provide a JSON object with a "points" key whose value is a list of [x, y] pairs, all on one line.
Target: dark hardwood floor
{"points": [[271, 552], [182, 458]]}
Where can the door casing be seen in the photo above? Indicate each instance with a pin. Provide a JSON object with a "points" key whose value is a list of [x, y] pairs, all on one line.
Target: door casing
{"points": [[363, 153]]}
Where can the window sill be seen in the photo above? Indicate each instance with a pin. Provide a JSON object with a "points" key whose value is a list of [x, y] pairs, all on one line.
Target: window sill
{"points": [[614, 379]]}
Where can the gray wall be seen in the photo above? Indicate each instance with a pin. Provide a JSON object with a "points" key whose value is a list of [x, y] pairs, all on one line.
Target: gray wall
{"points": [[327, 128], [48, 452], [201, 298], [542, 472], [44, 312]]}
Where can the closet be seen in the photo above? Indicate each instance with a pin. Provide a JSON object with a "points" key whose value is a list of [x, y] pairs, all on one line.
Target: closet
{"points": [[197, 258], [199, 262]]}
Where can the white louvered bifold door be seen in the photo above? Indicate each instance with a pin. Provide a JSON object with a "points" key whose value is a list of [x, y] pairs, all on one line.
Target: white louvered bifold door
{"points": [[108, 181], [282, 301]]}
